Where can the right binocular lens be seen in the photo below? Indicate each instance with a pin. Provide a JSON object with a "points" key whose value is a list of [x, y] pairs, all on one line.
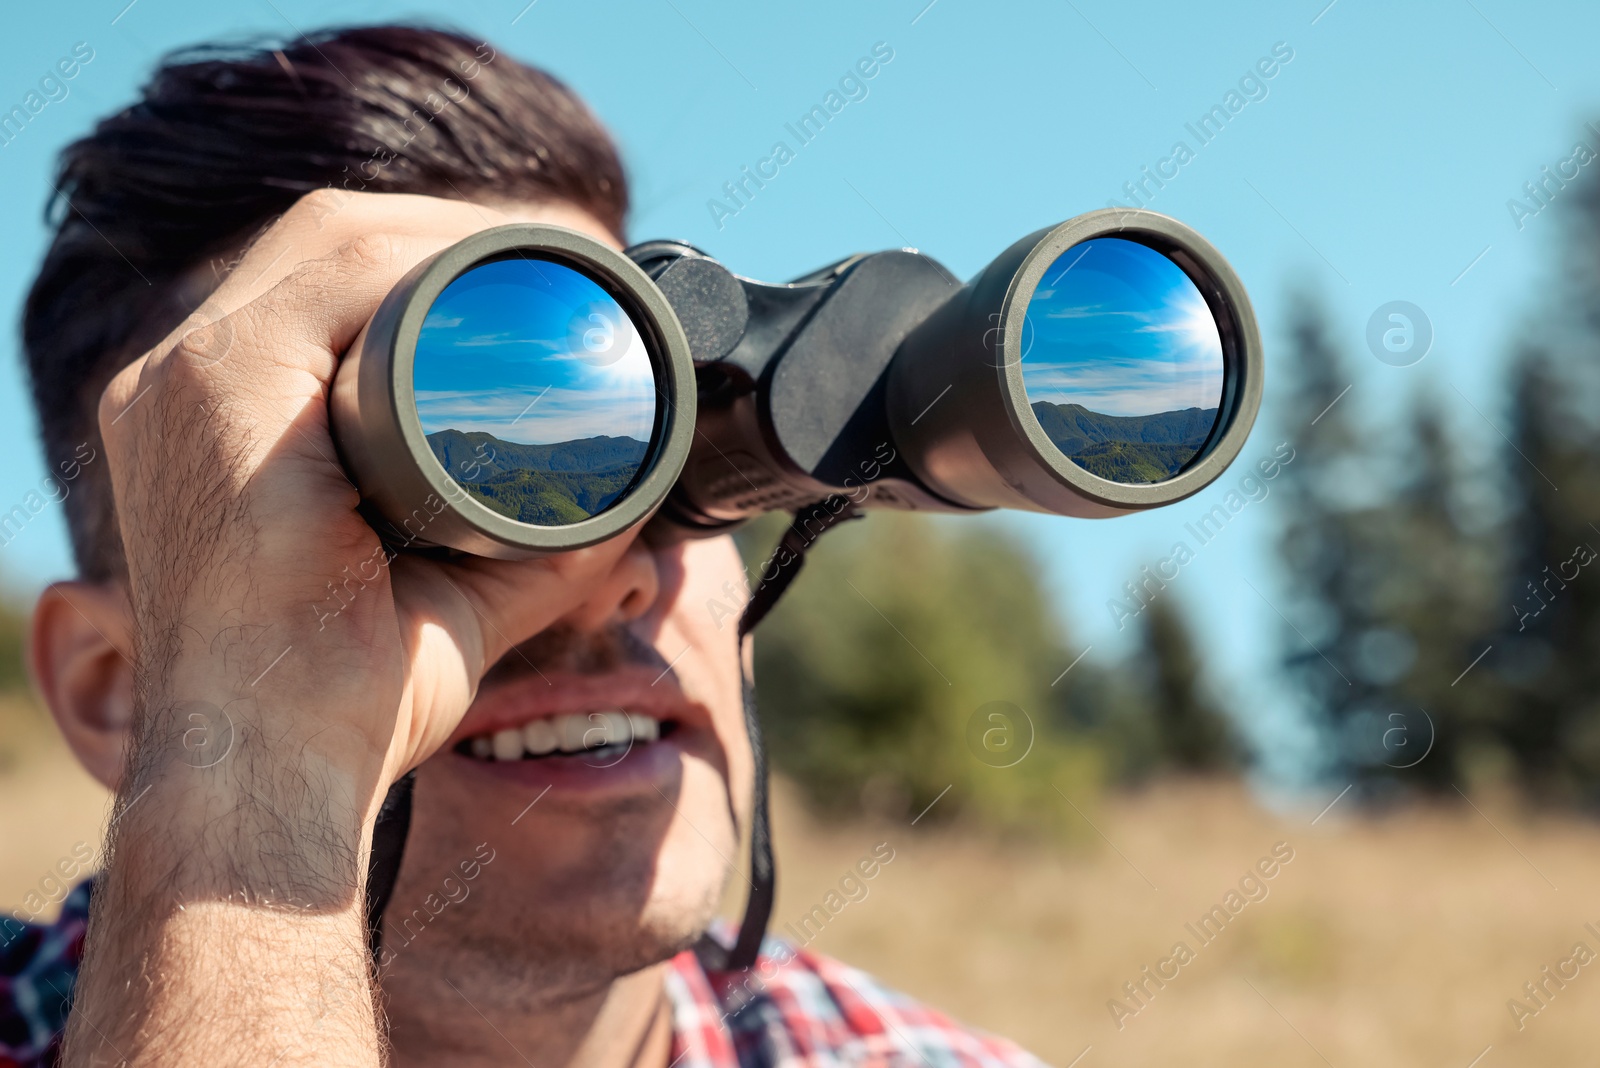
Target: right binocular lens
{"points": [[1122, 361]]}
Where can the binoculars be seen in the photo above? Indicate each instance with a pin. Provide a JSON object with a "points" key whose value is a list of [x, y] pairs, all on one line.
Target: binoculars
{"points": [[530, 390]]}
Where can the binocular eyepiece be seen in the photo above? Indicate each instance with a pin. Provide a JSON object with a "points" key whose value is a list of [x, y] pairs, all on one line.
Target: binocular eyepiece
{"points": [[530, 390]]}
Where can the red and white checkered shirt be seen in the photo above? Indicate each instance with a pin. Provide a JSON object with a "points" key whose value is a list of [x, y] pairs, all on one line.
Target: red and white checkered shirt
{"points": [[794, 1009]]}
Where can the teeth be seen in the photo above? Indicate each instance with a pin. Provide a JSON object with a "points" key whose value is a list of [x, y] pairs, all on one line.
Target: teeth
{"points": [[617, 730], [572, 730], [566, 734], [508, 744], [539, 737]]}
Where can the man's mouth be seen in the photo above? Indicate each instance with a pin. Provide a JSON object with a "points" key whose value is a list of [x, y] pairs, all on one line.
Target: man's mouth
{"points": [[602, 716], [606, 735]]}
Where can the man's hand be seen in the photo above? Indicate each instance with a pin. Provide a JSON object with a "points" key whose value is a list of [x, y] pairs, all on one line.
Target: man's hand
{"points": [[228, 926]]}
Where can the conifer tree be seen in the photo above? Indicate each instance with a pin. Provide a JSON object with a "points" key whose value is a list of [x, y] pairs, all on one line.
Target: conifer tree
{"points": [[1192, 733]]}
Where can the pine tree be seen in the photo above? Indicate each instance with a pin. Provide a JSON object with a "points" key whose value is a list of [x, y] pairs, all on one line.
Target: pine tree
{"points": [[1547, 621], [1432, 607], [1320, 545], [1551, 616], [1192, 733], [1389, 581]]}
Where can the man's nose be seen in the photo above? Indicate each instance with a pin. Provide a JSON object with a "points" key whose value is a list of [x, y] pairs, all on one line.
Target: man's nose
{"points": [[628, 592]]}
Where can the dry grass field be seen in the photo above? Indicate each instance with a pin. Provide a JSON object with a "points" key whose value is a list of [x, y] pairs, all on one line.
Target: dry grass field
{"points": [[1390, 941], [1384, 942]]}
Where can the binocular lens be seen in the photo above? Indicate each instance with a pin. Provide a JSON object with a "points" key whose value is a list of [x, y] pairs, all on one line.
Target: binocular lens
{"points": [[535, 390], [1122, 361]]}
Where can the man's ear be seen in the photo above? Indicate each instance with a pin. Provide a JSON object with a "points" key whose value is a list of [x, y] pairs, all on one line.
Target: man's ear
{"points": [[80, 654]]}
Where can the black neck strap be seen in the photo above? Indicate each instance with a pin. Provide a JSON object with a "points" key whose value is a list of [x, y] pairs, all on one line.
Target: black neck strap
{"points": [[809, 524], [388, 846], [394, 818]]}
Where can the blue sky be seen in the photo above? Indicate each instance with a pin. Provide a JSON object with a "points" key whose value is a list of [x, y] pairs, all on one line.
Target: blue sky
{"points": [[532, 352], [1120, 329], [1377, 164]]}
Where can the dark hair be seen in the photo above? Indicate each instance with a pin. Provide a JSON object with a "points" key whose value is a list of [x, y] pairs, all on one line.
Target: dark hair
{"points": [[221, 142]]}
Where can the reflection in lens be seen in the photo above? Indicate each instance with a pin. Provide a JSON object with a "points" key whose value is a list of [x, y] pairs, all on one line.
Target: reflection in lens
{"points": [[535, 391], [1125, 367]]}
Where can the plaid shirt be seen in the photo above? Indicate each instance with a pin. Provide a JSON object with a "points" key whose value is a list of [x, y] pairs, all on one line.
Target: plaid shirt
{"points": [[793, 1010], [38, 965], [796, 1009]]}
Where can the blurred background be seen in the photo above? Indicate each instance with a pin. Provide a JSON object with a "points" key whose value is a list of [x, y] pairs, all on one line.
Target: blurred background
{"points": [[1387, 662]]}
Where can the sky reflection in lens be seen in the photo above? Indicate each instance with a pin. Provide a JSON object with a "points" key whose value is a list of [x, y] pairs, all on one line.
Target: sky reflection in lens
{"points": [[1123, 365], [535, 390]]}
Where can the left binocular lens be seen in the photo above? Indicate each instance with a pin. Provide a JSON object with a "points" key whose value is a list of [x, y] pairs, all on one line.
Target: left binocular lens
{"points": [[524, 391], [1106, 365]]}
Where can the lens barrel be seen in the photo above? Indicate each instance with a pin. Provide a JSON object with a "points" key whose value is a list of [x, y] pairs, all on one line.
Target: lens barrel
{"points": [[959, 399], [525, 391]]}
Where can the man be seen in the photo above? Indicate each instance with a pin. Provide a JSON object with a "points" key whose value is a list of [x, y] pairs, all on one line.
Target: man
{"points": [[219, 245]]}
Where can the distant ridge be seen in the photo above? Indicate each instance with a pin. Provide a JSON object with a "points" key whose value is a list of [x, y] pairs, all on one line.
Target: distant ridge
{"points": [[549, 485], [1126, 448], [454, 447]]}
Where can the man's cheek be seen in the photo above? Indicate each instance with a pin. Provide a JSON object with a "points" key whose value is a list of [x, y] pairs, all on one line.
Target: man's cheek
{"points": [[702, 570], [702, 826], [708, 656]]}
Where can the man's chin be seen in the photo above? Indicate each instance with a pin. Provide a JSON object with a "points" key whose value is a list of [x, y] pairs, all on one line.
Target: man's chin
{"points": [[560, 965], [563, 897], [530, 959]]}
